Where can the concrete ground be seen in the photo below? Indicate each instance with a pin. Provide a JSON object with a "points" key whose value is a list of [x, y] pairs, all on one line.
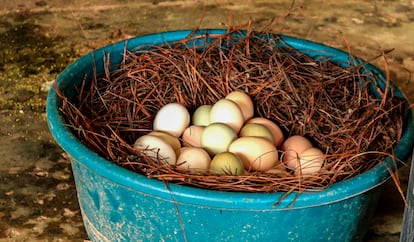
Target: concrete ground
{"points": [[39, 38]]}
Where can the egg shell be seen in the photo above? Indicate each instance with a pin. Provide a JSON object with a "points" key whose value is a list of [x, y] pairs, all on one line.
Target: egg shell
{"points": [[156, 148], [172, 140], [201, 116], [172, 118], [256, 153], [256, 130], [217, 137], [192, 136], [277, 133], [226, 163], [194, 160], [244, 101], [292, 148], [228, 112], [311, 161]]}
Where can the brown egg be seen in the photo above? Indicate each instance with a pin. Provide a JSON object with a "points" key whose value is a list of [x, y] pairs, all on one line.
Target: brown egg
{"points": [[193, 159], [192, 136], [292, 148], [277, 133], [311, 161], [279, 171], [244, 102]]}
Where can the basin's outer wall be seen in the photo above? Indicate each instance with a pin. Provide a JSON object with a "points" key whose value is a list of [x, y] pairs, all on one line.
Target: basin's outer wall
{"points": [[113, 212]]}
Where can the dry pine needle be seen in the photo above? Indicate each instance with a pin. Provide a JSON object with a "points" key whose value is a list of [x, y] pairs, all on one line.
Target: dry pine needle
{"points": [[331, 105]]}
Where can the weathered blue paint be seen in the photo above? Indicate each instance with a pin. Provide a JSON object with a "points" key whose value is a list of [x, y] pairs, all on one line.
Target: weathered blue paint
{"points": [[121, 205]]}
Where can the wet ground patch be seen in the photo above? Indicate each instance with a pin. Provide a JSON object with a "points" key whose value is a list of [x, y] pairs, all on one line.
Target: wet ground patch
{"points": [[28, 50], [25, 44]]}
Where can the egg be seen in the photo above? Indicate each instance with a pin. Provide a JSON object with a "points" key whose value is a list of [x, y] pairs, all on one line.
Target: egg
{"points": [[228, 112], [226, 163], [201, 116], [279, 171], [256, 153], [256, 130], [277, 133], [217, 137], [156, 148], [292, 148], [171, 140], [310, 162], [244, 102], [172, 118], [194, 160], [192, 136]]}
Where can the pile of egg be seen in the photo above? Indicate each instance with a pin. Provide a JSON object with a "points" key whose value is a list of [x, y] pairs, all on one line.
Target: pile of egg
{"points": [[225, 139]]}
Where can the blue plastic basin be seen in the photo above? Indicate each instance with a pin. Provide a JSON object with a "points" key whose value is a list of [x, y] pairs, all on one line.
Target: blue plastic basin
{"points": [[121, 205]]}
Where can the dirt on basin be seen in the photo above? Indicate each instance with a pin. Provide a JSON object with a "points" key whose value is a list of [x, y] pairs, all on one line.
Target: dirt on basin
{"points": [[39, 38]]}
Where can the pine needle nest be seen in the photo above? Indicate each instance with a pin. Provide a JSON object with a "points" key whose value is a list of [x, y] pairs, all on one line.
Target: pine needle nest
{"points": [[342, 110]]}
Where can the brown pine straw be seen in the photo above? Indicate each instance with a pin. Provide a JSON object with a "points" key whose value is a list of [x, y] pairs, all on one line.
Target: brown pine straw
{"points": [[330, 105]]}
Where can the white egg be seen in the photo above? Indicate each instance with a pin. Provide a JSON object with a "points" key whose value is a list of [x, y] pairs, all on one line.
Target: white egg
{"points": [[228, 112], [172, 118], [172, 140], [156, 148]]}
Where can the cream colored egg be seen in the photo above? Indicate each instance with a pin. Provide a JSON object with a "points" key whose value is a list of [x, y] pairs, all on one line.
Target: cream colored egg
{"points": [[310, 162], [217, 137], [277, 133], [156, 148], [172, 140], [244, 102], [201, 116], [292, 148], [192, 136], [256, 130], [228, 112], [172, 118], [256, 153], [226, 163], [194, 160]]}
